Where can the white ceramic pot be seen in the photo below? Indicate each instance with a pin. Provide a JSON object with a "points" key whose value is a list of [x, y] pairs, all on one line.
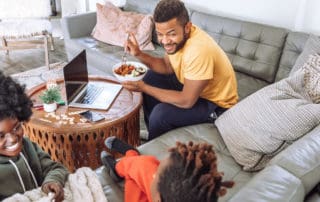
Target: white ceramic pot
{"points": [[50, 107]]}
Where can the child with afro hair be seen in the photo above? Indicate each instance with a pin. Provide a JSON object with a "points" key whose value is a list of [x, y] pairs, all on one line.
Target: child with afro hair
{"points": [[189, 174], [23, 164]]}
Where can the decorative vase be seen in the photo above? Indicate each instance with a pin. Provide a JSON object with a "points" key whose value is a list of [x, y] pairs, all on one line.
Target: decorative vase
{"points": [[50, 107]]}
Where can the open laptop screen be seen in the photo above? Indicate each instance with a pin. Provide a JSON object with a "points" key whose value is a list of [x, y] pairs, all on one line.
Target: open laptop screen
{"points": [[75, 75]]}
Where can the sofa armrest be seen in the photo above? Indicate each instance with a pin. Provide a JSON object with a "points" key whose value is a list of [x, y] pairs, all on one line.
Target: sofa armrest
{"points": [[272, 184], [78, 25], [302, 159]]}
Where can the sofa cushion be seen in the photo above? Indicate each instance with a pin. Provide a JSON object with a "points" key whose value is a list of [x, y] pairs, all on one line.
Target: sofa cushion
{"points": [[312, 46], [201, 133], [248, 84], [260, 126], [113, 24], [253, 49], [112, 190], [302, 159], [270, 185]]}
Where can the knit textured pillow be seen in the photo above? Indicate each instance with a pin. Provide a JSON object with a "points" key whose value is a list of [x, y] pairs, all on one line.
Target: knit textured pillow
{"points": [[312, 46], [311, 77], [113, 24], [264, 123]]}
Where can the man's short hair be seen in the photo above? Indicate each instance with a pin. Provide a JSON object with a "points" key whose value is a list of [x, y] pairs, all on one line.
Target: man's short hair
{"points": [[170, 9]]}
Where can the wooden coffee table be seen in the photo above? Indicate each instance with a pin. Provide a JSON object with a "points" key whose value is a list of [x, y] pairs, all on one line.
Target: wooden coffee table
{"points": [[75, 143]]}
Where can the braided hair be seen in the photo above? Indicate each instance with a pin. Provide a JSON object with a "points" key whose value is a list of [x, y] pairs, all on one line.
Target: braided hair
{"points": [[14, 103], [192, 175]]}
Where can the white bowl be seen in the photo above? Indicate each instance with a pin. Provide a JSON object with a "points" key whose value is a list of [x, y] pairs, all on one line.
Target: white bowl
{"points": [[132, 76]]}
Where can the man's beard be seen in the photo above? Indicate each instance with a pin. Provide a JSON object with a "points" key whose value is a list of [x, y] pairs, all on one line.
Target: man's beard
{"points": [[178, 45]]}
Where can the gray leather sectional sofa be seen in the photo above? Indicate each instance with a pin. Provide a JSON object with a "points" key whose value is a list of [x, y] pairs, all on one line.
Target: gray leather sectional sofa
{"points": [[260, 55]]}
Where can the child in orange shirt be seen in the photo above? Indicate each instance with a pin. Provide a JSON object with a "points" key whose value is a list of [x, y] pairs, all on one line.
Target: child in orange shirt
{"points": [[189, 174]]}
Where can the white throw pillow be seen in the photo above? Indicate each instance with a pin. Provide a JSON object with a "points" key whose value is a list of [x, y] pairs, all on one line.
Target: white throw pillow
{"points": [[266, 122]]}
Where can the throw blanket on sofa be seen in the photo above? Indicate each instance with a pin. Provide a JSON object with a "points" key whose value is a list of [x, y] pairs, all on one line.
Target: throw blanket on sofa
{"points": [[82, 186]]}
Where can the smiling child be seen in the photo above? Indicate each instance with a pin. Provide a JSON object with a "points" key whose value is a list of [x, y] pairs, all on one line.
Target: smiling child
{"points": [[23, 164]]}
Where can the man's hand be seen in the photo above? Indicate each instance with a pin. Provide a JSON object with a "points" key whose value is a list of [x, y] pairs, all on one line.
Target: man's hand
{"points": [[56, 188], [132, 46], [134, 85]]}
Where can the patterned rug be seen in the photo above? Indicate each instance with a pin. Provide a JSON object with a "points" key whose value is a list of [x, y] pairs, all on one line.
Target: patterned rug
{"points": [[39, 75]]}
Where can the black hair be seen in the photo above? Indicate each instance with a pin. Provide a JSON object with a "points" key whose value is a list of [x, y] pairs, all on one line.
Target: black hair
{"points": [[192, 175], [169, 9], [14, 103]]}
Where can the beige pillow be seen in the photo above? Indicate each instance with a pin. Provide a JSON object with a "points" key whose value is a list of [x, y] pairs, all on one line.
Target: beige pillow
{"points": [[263, 124], [113, 24], [312, 77]]}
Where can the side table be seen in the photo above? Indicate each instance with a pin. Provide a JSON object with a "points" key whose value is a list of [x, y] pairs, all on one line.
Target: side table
{"points": [[75, 143]]}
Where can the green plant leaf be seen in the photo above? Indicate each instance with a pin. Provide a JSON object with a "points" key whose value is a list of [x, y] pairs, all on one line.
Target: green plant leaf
{"points": [[51, 95]]}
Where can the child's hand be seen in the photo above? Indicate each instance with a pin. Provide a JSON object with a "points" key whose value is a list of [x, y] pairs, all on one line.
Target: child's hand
{"points": [[56, 188]]}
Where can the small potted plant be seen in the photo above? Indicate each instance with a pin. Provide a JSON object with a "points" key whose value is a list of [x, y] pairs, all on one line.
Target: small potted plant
{"points": [[50, 97]]}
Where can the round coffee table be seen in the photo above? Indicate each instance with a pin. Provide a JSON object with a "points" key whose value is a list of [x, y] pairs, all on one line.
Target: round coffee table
{"points": [[75, 143]]}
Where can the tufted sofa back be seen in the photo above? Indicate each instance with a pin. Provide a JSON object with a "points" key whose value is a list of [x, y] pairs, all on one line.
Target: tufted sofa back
{"points": [[292, 48], [141, 6], [253, 49]]}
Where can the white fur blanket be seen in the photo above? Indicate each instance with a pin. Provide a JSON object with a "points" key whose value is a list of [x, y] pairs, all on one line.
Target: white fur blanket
{"points": [[82, 186]]}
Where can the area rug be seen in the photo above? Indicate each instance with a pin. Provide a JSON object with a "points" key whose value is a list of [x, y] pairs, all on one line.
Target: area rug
{"points": [[39, 75]]}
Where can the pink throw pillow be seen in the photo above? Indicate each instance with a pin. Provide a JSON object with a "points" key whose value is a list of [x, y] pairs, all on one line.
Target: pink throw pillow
{"points": [[113, 24]]}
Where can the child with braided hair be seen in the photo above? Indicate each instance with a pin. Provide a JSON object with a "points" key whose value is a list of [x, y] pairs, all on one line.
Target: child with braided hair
{"points": [[189, 174]]}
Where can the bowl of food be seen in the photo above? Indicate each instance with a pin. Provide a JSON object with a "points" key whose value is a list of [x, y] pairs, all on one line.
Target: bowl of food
{"points": [[130, 71]]}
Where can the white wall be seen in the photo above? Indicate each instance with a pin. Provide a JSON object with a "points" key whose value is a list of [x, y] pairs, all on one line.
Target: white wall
{"points": [[70, 7], [298, 15], [312, 17], [92, 6]]}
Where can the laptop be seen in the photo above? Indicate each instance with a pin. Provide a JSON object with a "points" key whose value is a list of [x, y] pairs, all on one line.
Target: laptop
{"points": [[81, 92]]}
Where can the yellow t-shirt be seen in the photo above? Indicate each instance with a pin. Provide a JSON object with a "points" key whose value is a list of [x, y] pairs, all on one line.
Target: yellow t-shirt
{"points": [[201, 58]]}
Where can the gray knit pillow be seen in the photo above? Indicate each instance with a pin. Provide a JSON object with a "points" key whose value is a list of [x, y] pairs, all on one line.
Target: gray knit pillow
{"points": [[266, 122], [312, 77], [312, 46]]}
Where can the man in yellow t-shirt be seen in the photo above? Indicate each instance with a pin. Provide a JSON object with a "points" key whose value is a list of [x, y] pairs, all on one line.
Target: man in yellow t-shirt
{"points": [[193, 83]]}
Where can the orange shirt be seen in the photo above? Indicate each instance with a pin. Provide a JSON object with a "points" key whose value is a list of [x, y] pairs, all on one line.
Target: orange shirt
{"points": [[201, 58], [138, 172]]}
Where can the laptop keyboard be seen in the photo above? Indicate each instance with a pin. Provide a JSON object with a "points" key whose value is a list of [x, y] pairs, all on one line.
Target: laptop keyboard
{"points": [[91, 93]]}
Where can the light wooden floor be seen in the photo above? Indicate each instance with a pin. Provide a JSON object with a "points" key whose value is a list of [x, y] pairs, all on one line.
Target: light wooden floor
{"points": [[22, 60]]}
